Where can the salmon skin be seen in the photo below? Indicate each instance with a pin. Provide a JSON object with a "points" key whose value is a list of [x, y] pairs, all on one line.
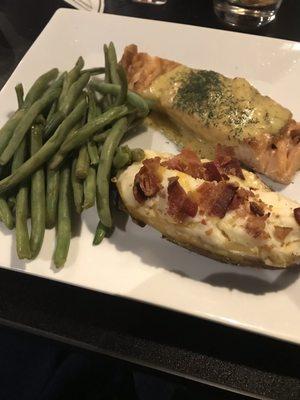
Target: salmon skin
{"points": [[218, 110]]}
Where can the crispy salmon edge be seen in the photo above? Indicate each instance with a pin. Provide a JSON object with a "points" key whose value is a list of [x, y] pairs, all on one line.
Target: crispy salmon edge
{"points": [[142, 69]]}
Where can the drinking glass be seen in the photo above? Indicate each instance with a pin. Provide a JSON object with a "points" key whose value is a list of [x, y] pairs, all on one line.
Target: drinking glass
{"points": [[155, 2], [247, 14]]}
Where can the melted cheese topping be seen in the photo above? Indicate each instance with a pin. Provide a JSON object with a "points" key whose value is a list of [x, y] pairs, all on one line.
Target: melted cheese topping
{"points": [[226, 237], [217, 108]]}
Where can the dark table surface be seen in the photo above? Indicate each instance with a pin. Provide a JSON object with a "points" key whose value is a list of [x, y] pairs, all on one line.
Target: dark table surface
{"points": [[138, 333]]}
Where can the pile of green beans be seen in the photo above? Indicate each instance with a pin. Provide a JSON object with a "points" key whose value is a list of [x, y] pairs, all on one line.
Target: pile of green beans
{"points": [[60, 150]]}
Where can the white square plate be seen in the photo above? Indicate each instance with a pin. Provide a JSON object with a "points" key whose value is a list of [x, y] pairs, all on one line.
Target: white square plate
{"points": [[137, 263]]}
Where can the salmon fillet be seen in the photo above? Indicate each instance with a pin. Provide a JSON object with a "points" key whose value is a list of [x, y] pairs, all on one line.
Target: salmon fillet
{"points": [[218, 110]]}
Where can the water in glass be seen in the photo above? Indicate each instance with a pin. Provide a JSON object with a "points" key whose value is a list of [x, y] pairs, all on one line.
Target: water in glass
{"points": [[155, 2], [247, 14]]}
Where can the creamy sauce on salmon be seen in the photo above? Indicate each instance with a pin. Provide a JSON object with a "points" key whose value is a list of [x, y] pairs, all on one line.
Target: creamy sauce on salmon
{"points": [[182, 137], [216, 108]]}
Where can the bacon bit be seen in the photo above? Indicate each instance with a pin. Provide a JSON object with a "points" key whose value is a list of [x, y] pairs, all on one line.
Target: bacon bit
{"points": [[147, 181], [255, 226], [209, 232], [240, 198], [281, 232], [180, 205], [297, 215], [188, 162], [225, 177], [227, 163], [205, 195], [139, 194], [215, 199], [203, 222], [224, 200], [233, 167], [152, 164], [211, 172], [189, 207], [256, 209]]}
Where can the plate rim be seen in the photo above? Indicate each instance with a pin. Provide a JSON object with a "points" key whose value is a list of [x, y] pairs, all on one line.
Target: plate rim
{"points": [[206, 316]]}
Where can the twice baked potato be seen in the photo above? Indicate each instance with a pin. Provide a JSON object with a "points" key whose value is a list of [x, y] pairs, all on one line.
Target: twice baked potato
{"points": [[213, 207]]}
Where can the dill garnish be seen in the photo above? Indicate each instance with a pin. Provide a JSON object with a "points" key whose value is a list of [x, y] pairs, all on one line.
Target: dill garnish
{"points": [[208, 95], [196, 89]]}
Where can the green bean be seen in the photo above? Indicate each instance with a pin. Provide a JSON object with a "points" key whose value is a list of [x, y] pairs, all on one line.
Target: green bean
{"points": [[94, 71], [93, 109], [89, 188], [38, 200], [100, 137], [101, 232], [67, 104], [26, 122], [52, 197], [113, 62], [104, 168], [53, 123], [5, 214], [77, 187], [63, 237], [58, 83], [133, 99], [39, 87], [20, 94], [93, 153], [35, 92], [71, 77], [73, 93], [51, 111], [122, 95], [137, 155], [8, 128], [22, 235], [84, 133], [57, 118], [11, 201], [125, 156], [122, 157], [92, 114], [53, 189], [19, 157], [40, 120], [107, 78], [46, 151], [83, 163]]}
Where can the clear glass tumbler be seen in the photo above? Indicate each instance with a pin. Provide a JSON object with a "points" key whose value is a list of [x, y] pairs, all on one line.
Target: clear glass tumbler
{"points": [[155, 2], [247, 14]]}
